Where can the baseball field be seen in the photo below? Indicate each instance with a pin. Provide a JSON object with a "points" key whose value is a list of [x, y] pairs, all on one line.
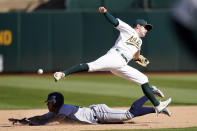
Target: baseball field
{"points": [[23, 95]]}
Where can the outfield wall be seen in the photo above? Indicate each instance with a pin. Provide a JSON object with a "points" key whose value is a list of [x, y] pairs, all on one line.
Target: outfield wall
{"points": [[57, 40]]}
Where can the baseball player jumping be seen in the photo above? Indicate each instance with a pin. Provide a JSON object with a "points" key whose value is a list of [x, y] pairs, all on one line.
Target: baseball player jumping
{"points": [[94, 114], [127, 47]]}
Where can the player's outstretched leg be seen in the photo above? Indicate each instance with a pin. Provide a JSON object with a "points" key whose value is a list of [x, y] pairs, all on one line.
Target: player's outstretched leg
{"points": [[83, 67], [132, 74], [160, 94], [159, 106], [148, 92], [137, 108]]}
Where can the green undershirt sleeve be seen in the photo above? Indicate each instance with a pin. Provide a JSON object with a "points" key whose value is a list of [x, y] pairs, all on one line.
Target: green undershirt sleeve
{"points": [[111, 19]]}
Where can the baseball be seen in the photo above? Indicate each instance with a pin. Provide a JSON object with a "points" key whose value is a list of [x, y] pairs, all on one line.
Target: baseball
{"points": [[40, 71]]}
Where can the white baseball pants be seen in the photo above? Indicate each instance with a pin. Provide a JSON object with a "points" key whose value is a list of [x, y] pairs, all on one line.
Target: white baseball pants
{"points": [[114, 62]]}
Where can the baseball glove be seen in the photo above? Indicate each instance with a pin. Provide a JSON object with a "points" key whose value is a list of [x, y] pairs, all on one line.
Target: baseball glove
{"points": [[23, 121], [142, 61]]}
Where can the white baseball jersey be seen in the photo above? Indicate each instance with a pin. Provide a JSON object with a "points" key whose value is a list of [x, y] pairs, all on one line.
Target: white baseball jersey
{"points": [[117, 58], [94, 114], [128, 41]]}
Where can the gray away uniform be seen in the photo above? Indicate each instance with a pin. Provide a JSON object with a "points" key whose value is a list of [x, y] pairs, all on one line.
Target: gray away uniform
{"points": [[99, 113]]}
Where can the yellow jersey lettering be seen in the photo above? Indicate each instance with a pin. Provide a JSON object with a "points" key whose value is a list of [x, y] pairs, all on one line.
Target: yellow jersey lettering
{"points": [[5, 37], [1, 38], [133, 41]]}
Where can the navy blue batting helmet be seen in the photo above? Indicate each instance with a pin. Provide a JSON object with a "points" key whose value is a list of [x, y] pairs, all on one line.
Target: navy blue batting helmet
{"points": [[57, 99]]}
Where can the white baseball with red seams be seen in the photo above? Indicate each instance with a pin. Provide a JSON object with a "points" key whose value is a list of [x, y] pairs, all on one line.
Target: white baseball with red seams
{"points": [[40, 71]]}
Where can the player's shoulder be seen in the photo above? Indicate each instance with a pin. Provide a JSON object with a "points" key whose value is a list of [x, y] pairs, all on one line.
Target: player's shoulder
{"points": [[123, 25]]}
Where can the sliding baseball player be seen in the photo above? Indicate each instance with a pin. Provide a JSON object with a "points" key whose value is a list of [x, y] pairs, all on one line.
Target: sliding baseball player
{"points": [[94, 114]]}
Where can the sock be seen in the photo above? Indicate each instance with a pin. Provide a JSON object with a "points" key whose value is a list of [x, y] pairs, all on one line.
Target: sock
{"points": [[148, 92], [141, 111], [77, 68], [137, 108]]}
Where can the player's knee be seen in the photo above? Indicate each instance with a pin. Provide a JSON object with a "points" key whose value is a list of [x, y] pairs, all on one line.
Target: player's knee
{"points": [[134, 109], [134, 106]]}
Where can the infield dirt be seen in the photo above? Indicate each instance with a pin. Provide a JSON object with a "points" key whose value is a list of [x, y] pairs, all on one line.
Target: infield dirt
{"points": [[183, 116]]}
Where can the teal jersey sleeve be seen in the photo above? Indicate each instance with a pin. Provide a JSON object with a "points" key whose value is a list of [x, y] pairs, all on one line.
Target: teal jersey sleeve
{"points": [[111, 19]]}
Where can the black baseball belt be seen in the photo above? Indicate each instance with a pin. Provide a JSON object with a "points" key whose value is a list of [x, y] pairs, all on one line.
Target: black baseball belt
{"points": [[123, 56]]}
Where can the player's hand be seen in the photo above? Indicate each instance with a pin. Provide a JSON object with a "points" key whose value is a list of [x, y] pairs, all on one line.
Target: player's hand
{"points": [[102, 10], [19, 121]]}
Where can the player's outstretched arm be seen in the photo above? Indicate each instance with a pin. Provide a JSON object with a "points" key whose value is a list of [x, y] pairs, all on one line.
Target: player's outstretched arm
{"points": [[108, 16]]}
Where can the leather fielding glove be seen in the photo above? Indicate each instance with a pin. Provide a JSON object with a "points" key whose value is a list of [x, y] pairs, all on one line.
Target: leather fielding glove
{"points": [[143, 61]]}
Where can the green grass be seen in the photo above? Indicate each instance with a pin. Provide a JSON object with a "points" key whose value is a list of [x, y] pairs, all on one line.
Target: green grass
{"points": [[27, 92]]}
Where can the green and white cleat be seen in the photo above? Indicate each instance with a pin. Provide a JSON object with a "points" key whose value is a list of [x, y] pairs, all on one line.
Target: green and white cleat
{"points": [[167, 112], [163, 105]]}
